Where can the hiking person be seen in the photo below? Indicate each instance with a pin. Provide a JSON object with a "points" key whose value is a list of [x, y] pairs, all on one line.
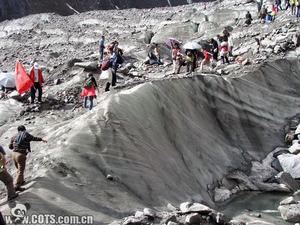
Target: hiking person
{"points": [[115, 60], [206, 60], [297, 3], [176, 56], [225, 35], [36, 77], [20, 144], [248, 18], [89, 91], [6, 178], [293, 6], [101, 47], [214, 48], [224, 52], [274, 12], [259, 5], [189, 60], [278, 4], [263, 14]]}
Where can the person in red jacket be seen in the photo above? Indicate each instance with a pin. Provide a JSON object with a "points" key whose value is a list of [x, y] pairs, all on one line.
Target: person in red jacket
{"points": [[36, 76]]}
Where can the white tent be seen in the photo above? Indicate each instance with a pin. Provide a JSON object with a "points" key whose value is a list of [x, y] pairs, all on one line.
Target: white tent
{"points": [[8, 80]]}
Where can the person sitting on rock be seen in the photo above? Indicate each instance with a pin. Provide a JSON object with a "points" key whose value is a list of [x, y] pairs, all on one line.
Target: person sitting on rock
{"points": [[248, 18], [6, 178], [153, 56], [20, 144], [206, 60], [36, 76], [157, 53], [89, 91]]}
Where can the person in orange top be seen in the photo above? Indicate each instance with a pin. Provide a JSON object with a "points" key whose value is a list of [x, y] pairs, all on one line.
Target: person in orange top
{"points": [[36, 76], [206, 60]]}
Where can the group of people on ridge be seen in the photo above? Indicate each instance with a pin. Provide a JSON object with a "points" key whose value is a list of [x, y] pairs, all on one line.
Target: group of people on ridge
{"points": [[268, 15], [217, 48]]}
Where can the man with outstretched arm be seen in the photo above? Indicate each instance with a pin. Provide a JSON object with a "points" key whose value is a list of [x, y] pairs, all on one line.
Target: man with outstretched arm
{"points": [[20, 144]]}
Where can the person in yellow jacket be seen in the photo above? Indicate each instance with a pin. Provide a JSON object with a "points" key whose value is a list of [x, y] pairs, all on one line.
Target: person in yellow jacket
{"points": [[293, 6]]}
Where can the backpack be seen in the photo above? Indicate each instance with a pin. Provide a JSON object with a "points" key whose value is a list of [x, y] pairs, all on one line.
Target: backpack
{"points": [[88, 83], [21, 138], [105, 65]]}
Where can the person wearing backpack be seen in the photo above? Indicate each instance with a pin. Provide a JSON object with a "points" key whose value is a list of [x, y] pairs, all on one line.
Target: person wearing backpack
{"points": [[20, 144], [89, 91], [6, 178]]}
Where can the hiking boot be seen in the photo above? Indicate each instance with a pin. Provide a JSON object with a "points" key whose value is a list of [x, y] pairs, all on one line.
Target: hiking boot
{"points": [[20, 189], [12, 197]]}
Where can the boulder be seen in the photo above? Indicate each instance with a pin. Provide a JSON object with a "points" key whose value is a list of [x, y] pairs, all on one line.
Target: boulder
{"points": [[193, 218], [277, 49], [188, 207], [275, 164], [198, 17], [221, 194], [226, 17], [288, 201], [296, 196], [147, 36], [288, 180], [15, 95], [206, 26], [93, 65], [149, 212], [290, 164], [171, 207], [290, 213], [295, 148], [181, 31], [219, 218], [172, 223]]}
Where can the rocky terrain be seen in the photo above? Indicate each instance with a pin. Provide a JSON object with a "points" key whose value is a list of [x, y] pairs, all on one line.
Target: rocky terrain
{"points": [[156, 140], [16, 8]]}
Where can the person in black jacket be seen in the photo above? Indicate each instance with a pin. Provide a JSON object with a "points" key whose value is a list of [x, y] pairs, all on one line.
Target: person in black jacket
{"points": [[20, 144], [214, 48]]}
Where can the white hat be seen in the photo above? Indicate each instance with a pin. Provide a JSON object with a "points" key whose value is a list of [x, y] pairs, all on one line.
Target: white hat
{"points": [[36, 65]]}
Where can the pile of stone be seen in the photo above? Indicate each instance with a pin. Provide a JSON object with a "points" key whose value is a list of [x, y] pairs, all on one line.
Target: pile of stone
{"points": [[187, 213], [290, 208]]}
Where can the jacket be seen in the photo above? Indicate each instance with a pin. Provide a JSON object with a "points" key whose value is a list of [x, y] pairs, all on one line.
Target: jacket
{"points": [[25, 146], [40, 76]]}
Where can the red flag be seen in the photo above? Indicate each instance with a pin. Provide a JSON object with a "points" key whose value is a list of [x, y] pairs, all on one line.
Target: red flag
{"points": [[23, 82]]}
